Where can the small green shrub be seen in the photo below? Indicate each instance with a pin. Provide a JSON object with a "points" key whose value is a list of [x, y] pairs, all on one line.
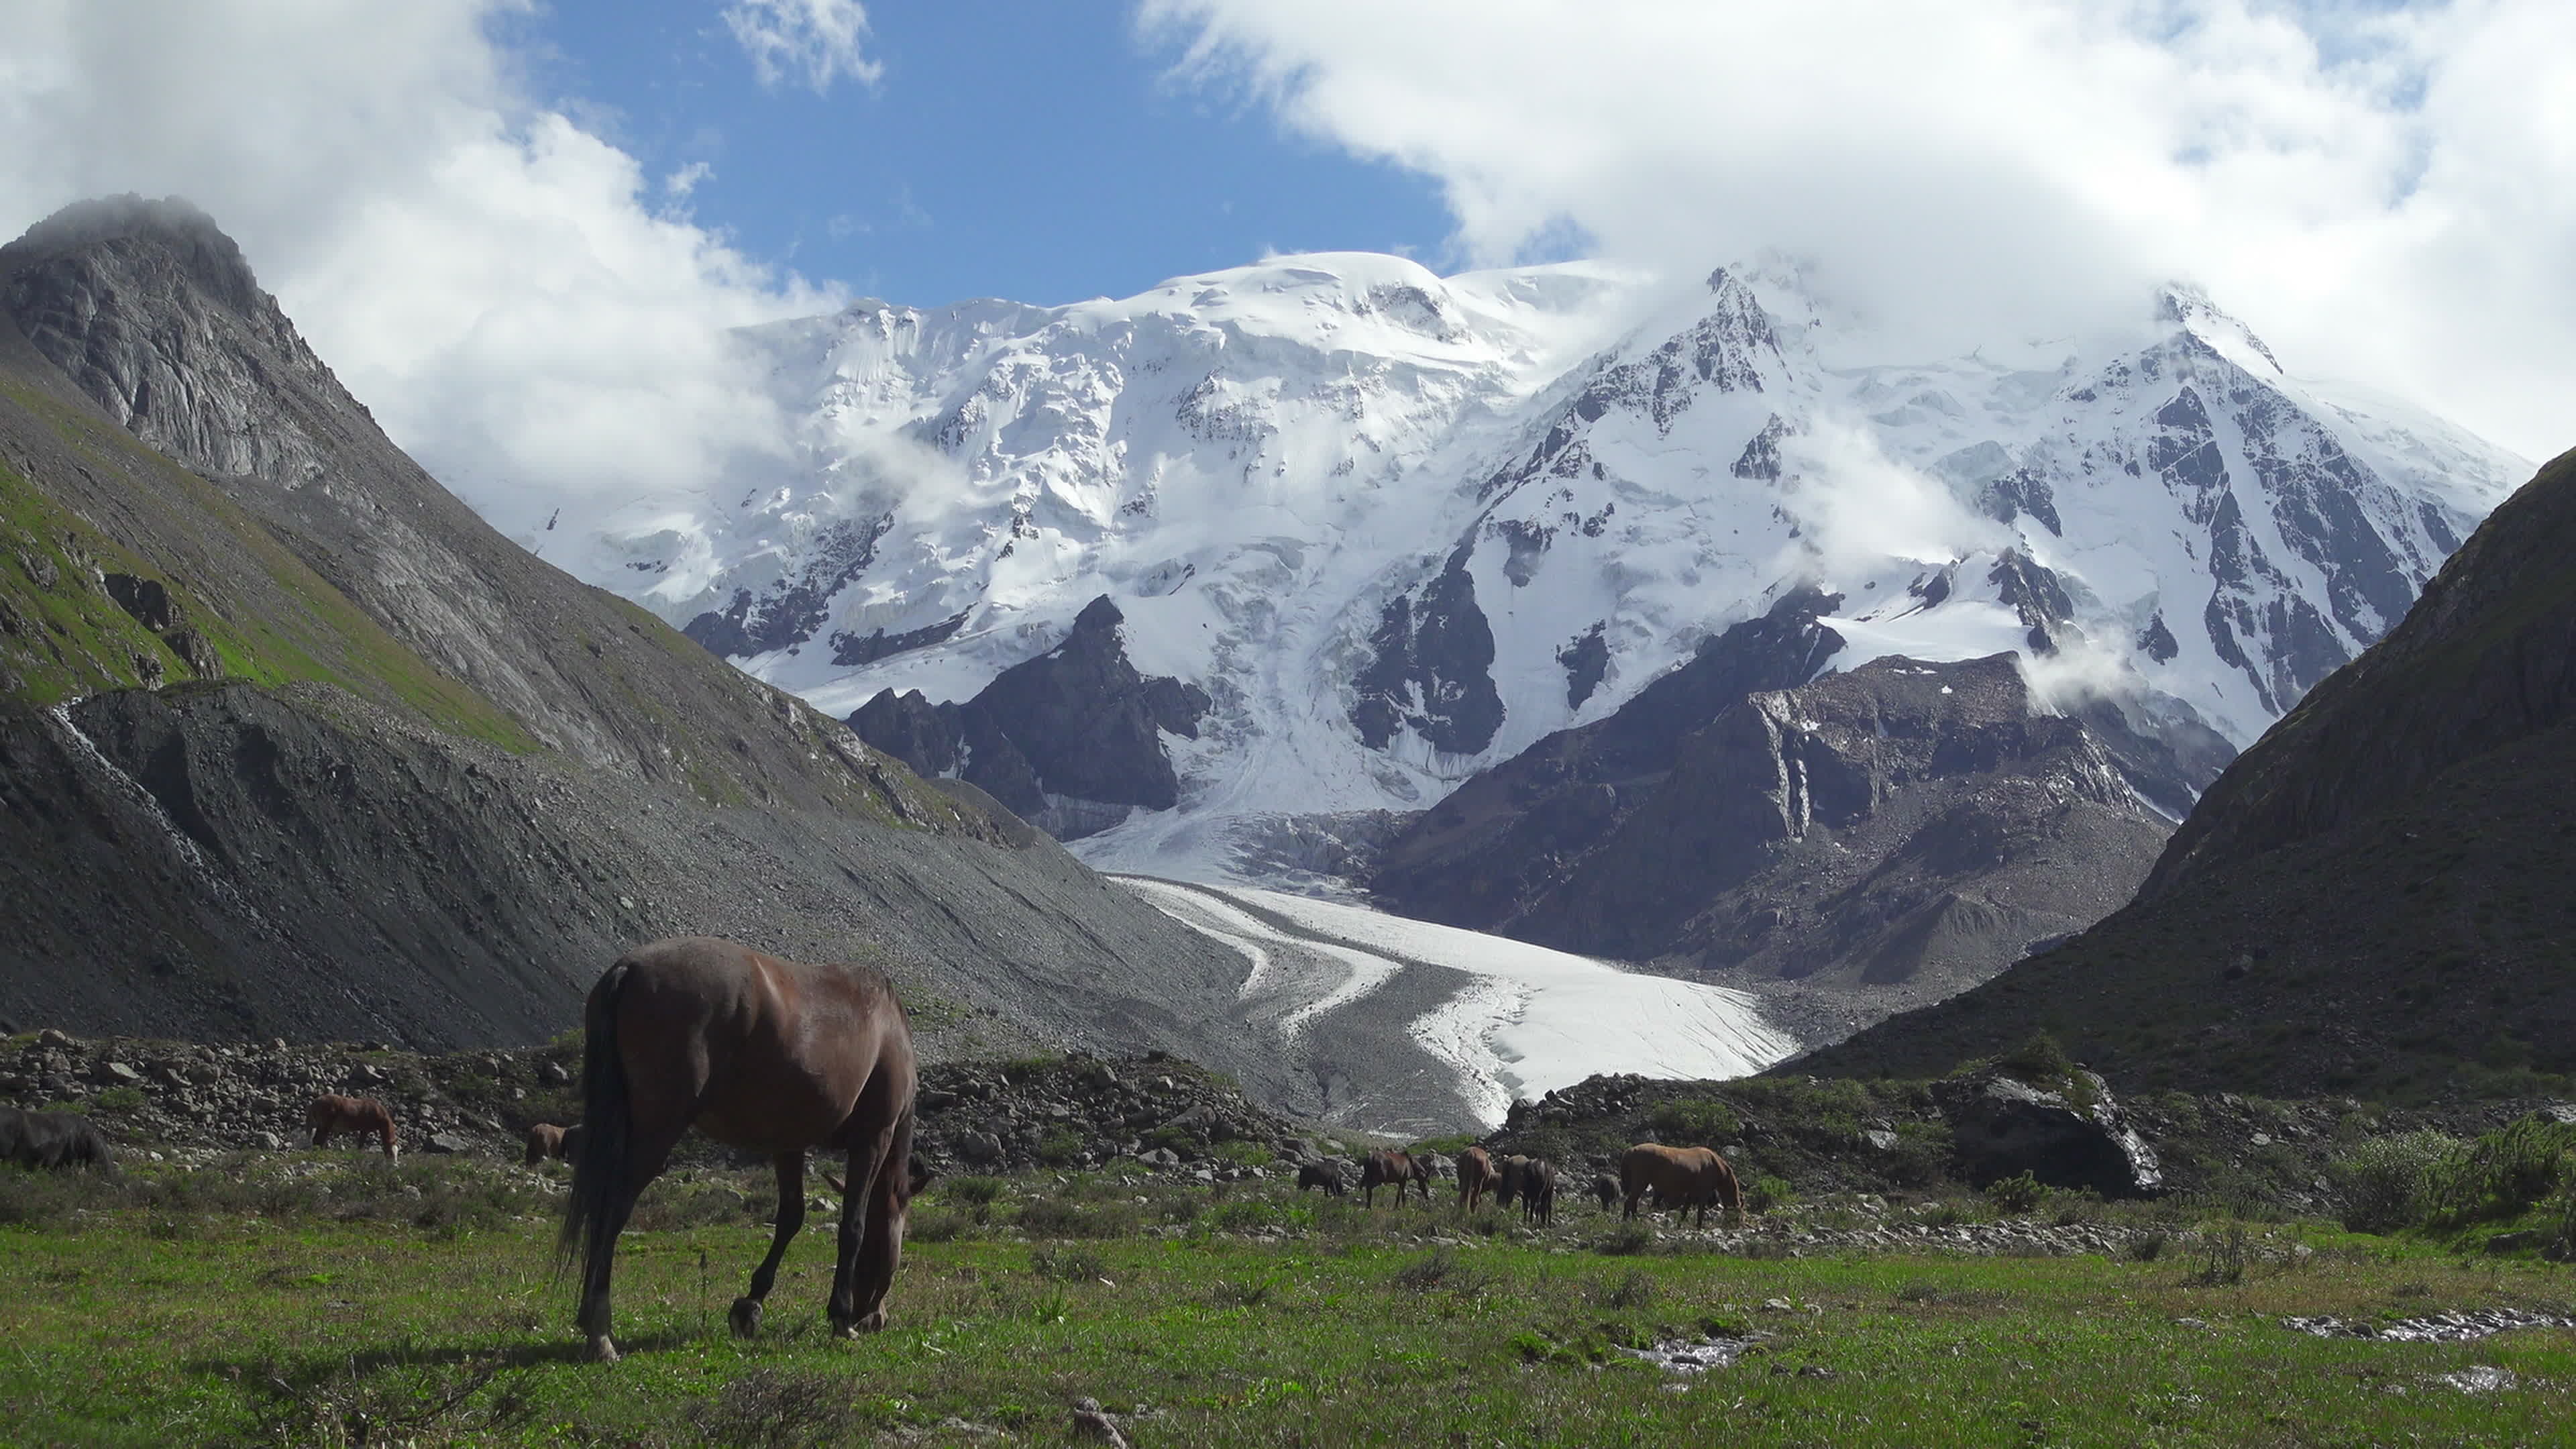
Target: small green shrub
{"points": [[1246, 1154], [1058, 1217], [936, 1224], [1764, 1193], [1626, 1240], [1696, 1121], [1634, 1289], [2017, 1194], [2503, 1174], [1441, 1268], [980, 1191], [118, 1099], [1060, 1148], [2039, 1060], [2383, 1180]]}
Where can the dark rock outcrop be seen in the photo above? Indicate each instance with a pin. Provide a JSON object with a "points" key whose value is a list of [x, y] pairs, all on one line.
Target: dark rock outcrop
{"points": [[1431, 668], [2357, 904], [1514, 830], [1077, 726], [2070, 1134]]}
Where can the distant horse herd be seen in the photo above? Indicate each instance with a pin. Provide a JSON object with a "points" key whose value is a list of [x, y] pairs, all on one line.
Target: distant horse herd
{"points": [[1674, 1178], [782, 1058]]}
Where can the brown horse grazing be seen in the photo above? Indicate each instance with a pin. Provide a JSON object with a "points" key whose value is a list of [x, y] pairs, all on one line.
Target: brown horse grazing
{"points": [[1606, 1189], [545, 1140], [328, 1117], [756, 1052], [1531, 1181], [1322, 1175], [54, 1139], [1397, 1168], [1475, 1177], [1680, 1178]]}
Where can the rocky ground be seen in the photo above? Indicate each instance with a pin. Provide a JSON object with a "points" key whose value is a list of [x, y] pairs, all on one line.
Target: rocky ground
{"points": [[983, 1116], [1887, 1155]]}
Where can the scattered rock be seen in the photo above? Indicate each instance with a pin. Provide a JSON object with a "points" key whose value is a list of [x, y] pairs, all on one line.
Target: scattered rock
{"points": [[448, 1143], [1092, 1424]]}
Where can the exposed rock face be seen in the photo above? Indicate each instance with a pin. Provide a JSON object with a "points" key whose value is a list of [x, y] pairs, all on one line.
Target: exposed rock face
{"points": [[1077, 726], [1509, 834], [1894, 834], [1432, 668], [2356, 905], [1850, 847], [451, 783], [2001, 1126], [790, 610]]}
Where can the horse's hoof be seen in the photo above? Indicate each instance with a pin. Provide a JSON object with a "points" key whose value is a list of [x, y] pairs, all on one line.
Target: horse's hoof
{"points": [[745, 1317], [601, 1349]]}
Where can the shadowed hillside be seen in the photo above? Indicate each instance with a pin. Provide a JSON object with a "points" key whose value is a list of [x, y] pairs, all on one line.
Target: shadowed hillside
{"points": [[2373, 899]]}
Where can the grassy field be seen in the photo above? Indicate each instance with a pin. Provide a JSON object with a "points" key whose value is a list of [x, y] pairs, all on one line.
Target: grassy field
{"points": [[349, 1303]]}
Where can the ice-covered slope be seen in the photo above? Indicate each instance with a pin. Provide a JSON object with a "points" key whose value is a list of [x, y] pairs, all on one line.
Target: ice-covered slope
{"points": [[1399, 527], [1412, 1028]]}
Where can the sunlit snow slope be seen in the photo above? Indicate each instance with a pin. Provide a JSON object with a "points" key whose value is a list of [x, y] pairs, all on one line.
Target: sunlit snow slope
{"points": [[1412, 1028]]}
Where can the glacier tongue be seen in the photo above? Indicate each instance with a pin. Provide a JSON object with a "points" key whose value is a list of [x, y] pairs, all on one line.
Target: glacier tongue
{"points": [[1400, 527]]}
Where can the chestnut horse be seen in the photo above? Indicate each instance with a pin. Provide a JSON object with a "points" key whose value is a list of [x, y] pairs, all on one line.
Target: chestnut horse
{"points": [[1398, 1168], [1680, 1178], [328, 1117], [548, 1140], [1475, 1177], [756, 1052]]}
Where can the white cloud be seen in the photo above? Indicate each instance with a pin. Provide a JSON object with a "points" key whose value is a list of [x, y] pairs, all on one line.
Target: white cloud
{"points": [[1857, 508], [816, 41], [2385, 193], [491, 278]]}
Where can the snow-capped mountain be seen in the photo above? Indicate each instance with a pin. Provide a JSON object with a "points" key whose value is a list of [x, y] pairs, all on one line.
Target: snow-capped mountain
{"points": [[1398, 527]]}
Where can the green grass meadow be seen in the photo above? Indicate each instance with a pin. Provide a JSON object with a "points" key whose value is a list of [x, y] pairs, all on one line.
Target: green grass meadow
{"points": [[154, 1317]]}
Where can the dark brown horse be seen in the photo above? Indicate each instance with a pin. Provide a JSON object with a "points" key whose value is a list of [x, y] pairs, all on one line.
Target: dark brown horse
{"points": [[1606, 1189], [1532, 1182], [1680, 1178], [1475, 1177], [546, 1140], [54, 1139], [1398, 1169], [329, 1117], [756, 1052], [1322, 1175]]}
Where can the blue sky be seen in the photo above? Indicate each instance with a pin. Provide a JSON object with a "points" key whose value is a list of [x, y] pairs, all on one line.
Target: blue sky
{"points": [[1030, 151]]}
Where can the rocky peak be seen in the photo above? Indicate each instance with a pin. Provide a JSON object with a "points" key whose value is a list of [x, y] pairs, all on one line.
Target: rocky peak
{"points": [[1068, 739], [153, 312]]}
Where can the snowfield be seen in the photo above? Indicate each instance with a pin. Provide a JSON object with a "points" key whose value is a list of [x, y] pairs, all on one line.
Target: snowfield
{"points": [[1520, 1021]]}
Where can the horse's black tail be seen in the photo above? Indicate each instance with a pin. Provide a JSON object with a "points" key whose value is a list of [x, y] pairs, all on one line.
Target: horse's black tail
{"points": [[600, 1163]]}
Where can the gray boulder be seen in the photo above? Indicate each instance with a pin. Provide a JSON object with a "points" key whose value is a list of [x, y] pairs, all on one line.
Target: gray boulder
{"points": [[2074, 1137]]}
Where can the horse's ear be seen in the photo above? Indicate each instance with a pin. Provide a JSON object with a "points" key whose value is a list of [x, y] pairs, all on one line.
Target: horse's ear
{"points": [[919, 1175]]}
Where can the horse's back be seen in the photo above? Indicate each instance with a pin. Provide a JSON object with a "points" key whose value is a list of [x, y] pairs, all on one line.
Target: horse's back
{"points": [[772, 1053]]}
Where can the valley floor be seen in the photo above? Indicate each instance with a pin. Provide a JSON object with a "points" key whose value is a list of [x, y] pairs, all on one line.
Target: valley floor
{"points": [[320, 1298]]}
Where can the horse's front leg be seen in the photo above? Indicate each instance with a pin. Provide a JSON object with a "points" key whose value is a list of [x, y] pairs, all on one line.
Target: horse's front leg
{"points": [[745, 1316]]}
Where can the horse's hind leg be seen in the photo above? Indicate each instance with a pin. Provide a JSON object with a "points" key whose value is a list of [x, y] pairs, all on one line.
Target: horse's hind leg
{"points": [[791, 1216], [880, 1241], [644, 1159]]}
